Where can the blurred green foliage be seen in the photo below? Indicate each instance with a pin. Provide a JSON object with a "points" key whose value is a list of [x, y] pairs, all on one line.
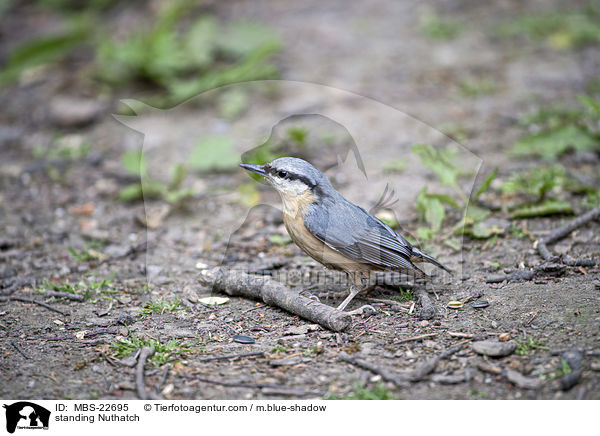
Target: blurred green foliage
{"points": [[558, 130], [178, 52], [560, 30]]}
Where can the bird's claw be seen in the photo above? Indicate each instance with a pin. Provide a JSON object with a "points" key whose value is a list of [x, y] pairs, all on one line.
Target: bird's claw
{"points": [[367, 309]]}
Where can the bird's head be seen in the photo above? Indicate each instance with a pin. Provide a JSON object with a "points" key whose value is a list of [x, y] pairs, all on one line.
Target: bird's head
{"points": [[292, 177]]}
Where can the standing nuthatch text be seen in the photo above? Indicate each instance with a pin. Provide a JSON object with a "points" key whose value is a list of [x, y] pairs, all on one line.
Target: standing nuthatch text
{"points": [[334, 231]]}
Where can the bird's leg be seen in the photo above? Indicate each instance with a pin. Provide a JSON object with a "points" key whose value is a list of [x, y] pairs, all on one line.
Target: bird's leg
{"points": [[354, 291], [360, 285]]}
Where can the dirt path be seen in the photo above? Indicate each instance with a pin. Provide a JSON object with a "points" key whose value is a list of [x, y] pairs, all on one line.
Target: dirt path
{"points": [[62, 224]]}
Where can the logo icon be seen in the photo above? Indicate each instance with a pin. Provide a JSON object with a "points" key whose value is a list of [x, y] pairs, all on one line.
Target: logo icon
{"points": [[26, 415]]}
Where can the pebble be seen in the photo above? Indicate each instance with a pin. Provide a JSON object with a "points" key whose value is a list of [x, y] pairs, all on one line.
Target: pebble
{"points": [[494, 348], [301, 329], [480, 304], [522, 381], [503, 337], [241, 339], [72, 111]]}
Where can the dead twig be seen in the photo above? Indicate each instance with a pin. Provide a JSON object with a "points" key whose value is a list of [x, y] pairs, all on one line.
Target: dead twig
{"points": [[65, 295], [19, 349], [417, 338], [561, 232], [274, 293], [390, 376], [232, 356], [31, 300], [143, 394]]}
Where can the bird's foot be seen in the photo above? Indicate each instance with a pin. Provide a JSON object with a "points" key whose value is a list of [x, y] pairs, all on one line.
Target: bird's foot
{"points": [[367, 309]]}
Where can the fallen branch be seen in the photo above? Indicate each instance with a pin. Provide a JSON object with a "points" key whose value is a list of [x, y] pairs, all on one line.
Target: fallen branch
{"points": [[272, 292], [145, 353], [561, 232], [31, 300]]}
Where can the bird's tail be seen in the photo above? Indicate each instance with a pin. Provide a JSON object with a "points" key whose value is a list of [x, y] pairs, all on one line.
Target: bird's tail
{"points": [[419, 254]]}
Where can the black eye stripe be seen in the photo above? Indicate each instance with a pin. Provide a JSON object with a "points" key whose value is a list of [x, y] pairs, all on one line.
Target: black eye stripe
{"points": [[288, 175]]}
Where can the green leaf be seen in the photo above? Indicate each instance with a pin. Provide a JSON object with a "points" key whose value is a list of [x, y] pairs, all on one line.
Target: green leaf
{"points": [[42, 50], [485, 184], [249, 195], [178, 175], [453, 243], [131, 192], [245, 37], [280, 240], [200, 41], [551, 144], [476, 214], [445, 198], [134, 162], [549, 207], [179, 195], [437, 161], [214, 153], [425, 233], [431, 209]]}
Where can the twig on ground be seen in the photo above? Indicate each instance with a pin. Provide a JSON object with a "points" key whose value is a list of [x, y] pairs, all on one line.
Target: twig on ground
{"points": [[232, 356], [19, 349], [145, 353], [427, 309], [416, 338], [401, 379], [31, 300], [390, 376], [65, 295], [561, 232], [272, 292]]}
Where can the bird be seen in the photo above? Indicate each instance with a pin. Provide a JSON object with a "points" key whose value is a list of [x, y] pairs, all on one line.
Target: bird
{"points": [[334, 231]]}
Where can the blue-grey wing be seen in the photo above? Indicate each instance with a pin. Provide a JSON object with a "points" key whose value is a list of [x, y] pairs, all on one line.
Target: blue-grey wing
{"points": [[353, 232]]}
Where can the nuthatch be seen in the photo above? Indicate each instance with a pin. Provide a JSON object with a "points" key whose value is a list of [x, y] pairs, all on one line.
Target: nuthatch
{"points": [[334, 231]]}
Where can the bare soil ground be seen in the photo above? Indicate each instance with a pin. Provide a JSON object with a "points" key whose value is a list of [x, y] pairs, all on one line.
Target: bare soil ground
{"points": [[373, 49]]}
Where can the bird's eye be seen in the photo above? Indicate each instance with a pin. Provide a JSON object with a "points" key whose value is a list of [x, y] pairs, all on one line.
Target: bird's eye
{"points": [[283, 174]]}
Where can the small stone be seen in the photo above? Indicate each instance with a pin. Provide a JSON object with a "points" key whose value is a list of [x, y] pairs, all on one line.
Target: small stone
{"points": [[480, 304], [241, 339], [190, 293], [494, 348], [424, 323], [522, 381], [72, 111], [503, 337]]}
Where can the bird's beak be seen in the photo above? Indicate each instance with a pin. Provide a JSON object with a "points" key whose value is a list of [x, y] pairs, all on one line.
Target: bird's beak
{"points": [[258, 169]]}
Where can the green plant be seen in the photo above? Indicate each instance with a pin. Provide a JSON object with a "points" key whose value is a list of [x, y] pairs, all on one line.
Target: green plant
{"points": [[279, 349], [161, 306], [184, 60], [565, 369], [476, 86], [558, 130], [134, 163], [378, 392], [539, 191], [528, 346], [163, 351], [560, 30], [435, 27], [432, 206]]}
